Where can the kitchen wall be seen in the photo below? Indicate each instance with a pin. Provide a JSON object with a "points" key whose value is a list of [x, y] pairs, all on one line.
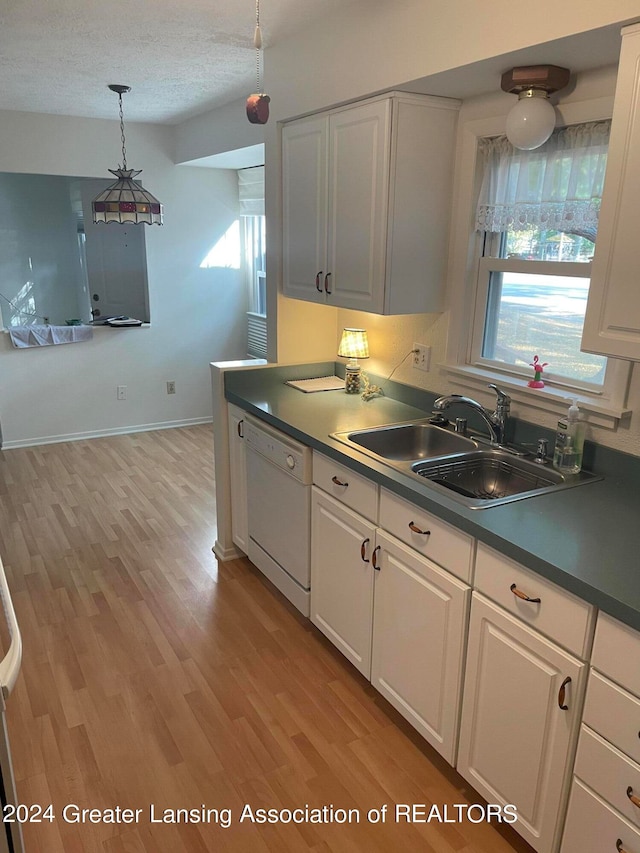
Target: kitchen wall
{"points": [[197, 315], [391, 338], [419, 42]]}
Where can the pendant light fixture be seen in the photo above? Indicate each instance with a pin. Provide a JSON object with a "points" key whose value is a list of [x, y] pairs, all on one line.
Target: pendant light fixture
{"points": [[126, 200], [533, 119], [258, 103]]}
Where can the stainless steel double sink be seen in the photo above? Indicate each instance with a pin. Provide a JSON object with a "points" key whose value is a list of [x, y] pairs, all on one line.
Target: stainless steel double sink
{"points": [[477, 475]]}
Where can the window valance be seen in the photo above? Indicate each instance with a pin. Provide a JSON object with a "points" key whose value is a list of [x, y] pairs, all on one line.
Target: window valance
{"points": [[251, 191], [556, 187]]}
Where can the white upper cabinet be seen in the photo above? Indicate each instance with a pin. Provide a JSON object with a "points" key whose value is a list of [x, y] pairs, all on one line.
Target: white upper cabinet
{"points": [[366, 200], [612, 322]]}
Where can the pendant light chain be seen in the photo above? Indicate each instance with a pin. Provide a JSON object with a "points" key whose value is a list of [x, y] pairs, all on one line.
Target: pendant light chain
{"points": [[124, 150], [258, 45]]}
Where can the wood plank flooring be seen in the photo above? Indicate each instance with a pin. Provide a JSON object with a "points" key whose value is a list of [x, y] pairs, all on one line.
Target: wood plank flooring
{"points": [[154, 677]]}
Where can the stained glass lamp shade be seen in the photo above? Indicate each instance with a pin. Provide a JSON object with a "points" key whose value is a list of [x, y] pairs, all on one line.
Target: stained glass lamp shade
{"points": [[126, 200]]}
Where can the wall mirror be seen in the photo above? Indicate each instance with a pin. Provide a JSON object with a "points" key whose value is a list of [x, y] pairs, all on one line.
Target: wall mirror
{"points": [[56, 264]]}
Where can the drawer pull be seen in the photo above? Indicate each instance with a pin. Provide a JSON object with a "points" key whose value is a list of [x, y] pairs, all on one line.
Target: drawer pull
{"points": [[561, 694], [240, 428], [374, 562], [363, 551], [523, 595], [415, 529], [619, 846], [338, 482], [318, 288], [634, 799]]}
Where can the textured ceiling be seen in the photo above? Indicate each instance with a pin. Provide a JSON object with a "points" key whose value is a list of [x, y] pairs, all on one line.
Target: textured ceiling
{"points": [[180, 57]]}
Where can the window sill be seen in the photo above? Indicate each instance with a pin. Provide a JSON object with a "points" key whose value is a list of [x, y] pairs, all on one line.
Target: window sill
{"points": [[602, 412]]}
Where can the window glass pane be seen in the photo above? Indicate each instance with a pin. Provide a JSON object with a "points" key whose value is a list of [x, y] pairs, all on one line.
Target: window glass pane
{"points": [[529, 314], [535, 244]]}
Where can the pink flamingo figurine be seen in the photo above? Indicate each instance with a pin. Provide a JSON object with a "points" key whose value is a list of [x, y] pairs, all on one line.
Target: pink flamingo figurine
{"points": [[538, 369]]}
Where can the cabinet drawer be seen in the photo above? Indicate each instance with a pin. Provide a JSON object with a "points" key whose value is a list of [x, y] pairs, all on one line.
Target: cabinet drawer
{"points": [[592, 825], [614, 714], [346, 486], [445, 545], [616, 652], [610, 773], [560, 615]]}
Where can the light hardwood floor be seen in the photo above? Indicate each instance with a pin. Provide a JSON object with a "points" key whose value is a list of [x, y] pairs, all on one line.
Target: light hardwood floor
{"points": [[154, 676]]}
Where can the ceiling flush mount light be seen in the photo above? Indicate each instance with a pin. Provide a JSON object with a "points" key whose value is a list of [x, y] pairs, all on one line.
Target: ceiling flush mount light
{"points": [[258, 103], [532, 120], [354, 344], [126, 200]]}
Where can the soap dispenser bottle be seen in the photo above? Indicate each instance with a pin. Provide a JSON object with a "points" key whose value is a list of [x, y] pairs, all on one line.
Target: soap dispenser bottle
{"points": [[567, 454]]}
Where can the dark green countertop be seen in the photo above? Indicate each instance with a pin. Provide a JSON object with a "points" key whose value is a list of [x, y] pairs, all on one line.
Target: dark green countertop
{"points": [[586, 539]]}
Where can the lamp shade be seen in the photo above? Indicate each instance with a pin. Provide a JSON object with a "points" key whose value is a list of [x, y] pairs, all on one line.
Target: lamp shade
{"points": [[354, 344], [126, 201], [531, 121]]}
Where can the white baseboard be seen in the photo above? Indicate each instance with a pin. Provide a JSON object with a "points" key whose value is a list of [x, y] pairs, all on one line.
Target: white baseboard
{"points": [[102, 433], [225, 554]]}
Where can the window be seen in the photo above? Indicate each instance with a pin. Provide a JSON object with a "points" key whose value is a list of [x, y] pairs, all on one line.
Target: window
{"points": [[255, 261], [251, 196], [522, 240], [538, 211]]}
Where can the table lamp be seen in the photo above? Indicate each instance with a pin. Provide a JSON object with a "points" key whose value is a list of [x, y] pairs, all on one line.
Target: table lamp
{"points": [[353, 345]]}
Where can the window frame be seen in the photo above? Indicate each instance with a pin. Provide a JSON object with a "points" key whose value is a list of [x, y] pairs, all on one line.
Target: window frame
{"points": [[488, 264], [604, 406], [254, 273]]}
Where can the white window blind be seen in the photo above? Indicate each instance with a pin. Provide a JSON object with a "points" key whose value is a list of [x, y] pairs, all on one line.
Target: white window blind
{"points": [[251, 191], [555, 187]]}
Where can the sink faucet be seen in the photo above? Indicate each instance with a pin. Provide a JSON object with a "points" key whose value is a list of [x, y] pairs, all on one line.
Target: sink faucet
{"points": [[495, 421]]}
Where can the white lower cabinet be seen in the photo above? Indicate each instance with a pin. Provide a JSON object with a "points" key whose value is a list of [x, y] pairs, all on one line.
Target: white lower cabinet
{"points": [[494, 679], [342, 542], [419, 627], [397, 616], [520, 716]]}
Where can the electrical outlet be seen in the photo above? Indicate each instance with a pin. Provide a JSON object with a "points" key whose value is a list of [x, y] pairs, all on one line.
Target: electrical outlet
{"points": [[421, 356], [121, 392], [171, 387]]}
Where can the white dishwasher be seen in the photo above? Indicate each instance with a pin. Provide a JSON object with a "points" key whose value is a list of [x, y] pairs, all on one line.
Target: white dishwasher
{"points": [[279, 480]]}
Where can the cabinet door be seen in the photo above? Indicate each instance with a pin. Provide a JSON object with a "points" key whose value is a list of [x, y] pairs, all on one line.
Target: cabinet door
{"points": [[419, 627], [238, 473], [612, 322], [342, 577], [359, 145], [515, 739], [304, 199]]}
